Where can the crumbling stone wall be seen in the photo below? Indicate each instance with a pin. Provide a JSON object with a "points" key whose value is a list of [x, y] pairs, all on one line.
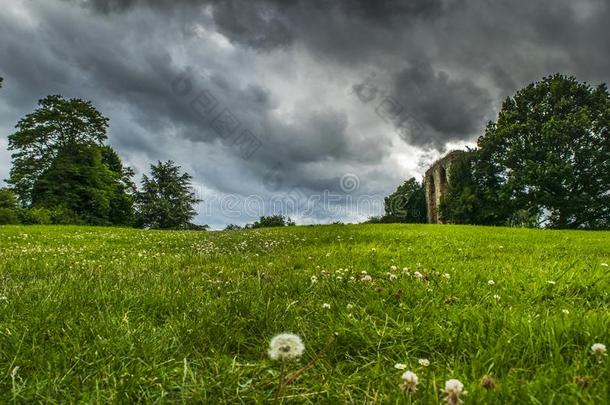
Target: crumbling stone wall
{"points": [[436, 181]]}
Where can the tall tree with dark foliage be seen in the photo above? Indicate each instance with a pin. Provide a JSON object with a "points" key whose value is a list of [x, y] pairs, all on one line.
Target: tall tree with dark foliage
{"points": [[166, 200], [545, 161]]}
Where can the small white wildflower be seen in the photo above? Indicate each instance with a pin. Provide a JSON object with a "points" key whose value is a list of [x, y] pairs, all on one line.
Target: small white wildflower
{"points": [[393, 276], [453, 389], [599, 349], [366, 278], [314, 279], [373, 250], [393, 268], [424, 362], [326, 306], [418, 274], [350, 306], [286, 346], [565, 311], [400, 366], [491, 282], [339, 278], [447, 276], [409, 381], [497, 297]]}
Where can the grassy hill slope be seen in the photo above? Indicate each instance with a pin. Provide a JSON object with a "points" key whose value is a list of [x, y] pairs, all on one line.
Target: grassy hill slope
{"points": [[99, 315]]}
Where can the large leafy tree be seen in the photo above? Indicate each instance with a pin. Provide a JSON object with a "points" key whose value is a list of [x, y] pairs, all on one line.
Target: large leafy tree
{"points": [[79, 180], [41, 135], [548, 155], [406, 204], [166, 199]]}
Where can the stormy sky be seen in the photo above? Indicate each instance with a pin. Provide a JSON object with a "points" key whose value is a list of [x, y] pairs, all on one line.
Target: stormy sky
{"points": [[317, 108]]}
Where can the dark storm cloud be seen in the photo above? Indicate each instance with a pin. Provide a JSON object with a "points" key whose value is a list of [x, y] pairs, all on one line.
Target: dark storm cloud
{"points": [[444, 108]]}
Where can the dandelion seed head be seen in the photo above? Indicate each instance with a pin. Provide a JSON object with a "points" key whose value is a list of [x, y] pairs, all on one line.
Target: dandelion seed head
{"points": [[453, 389], [286, 346], [598, 348], [424, 362], [409, 381]]}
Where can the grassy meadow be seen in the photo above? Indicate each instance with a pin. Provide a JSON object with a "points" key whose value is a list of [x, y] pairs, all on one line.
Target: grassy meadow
{"points": [[101, 315]]}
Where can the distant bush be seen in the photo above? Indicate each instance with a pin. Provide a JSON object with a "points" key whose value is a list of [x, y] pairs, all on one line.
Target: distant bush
{"points": [[36, 216], [49, 216], [196, 227], [8, 216], [9, 210], [272, 221], [232, 227]]}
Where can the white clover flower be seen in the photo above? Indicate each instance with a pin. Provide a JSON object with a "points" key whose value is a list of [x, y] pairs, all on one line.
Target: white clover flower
{"points": [[453, 389], [400, 366], [565, 311], [393, 276], [286, 346], [497, 297], [598, 349], [491, 282], [373, 250], [424, 362], [314, 279], [447, 276], [366, 278], [418, 274], [409, 381], [326, 306], [393, 268], [350, 306]]}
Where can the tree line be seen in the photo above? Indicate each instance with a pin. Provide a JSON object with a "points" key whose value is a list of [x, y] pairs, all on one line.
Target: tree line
{"points": [[545, 162], [64, 172]]}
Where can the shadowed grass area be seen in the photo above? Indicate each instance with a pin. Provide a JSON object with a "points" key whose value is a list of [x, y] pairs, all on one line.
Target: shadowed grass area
{"points": [[120, 315]]}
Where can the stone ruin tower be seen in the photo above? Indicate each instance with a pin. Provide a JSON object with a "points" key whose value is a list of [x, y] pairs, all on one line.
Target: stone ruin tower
{"points": [[436, 181]]}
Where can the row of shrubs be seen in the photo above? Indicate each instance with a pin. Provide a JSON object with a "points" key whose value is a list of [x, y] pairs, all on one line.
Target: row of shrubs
{"points": [[39, 216]]}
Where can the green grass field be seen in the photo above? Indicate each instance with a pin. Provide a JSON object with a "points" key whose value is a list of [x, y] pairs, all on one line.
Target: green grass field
{"points": [[117, 315]]}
